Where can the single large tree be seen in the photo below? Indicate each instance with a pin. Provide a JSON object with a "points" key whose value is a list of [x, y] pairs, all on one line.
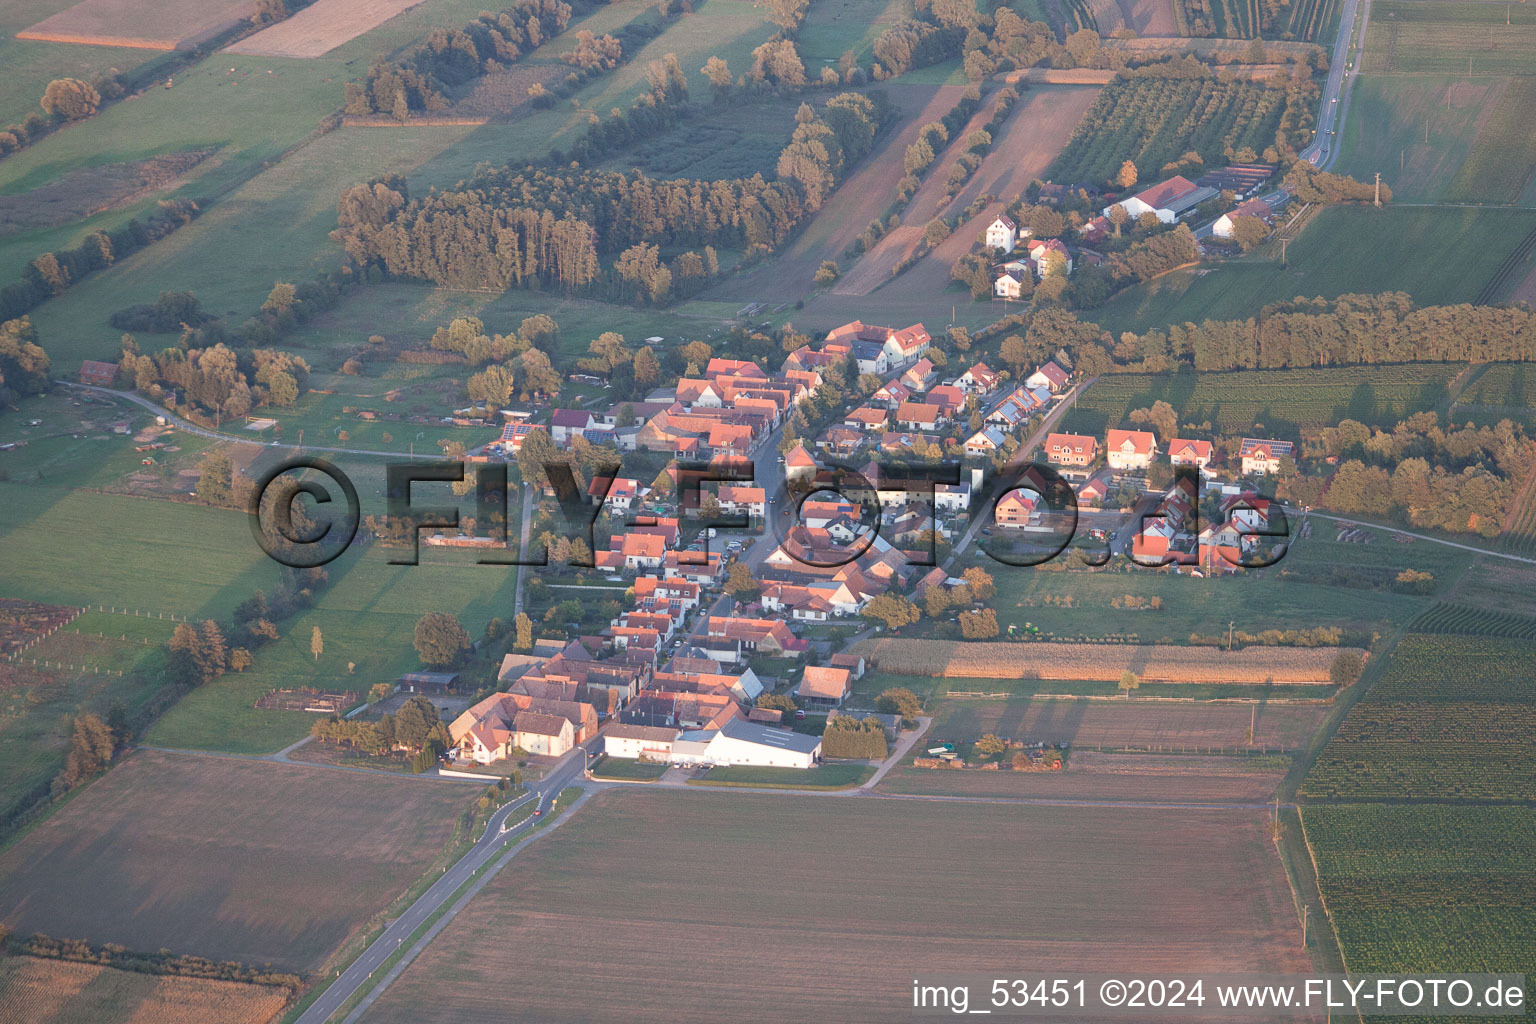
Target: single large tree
{"points": [[316, 643], [439, 639]]}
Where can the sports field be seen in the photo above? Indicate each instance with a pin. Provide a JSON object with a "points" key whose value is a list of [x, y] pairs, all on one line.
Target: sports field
{"points": [[226, 858], [865, 896], [40, 991]]}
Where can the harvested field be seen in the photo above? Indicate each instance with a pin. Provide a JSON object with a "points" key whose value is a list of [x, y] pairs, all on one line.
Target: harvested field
{"points": [[320, 28], [867, 193], [875, 266], [1137, 724], [1039, 126], [83, 191], [608, 912], [1029, 141], [1147, 17], [40, 991], [229, 859], [142, 24], [1150, 662], [1091, 775]]}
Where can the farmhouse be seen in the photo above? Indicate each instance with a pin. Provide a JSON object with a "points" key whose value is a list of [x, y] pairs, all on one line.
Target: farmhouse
{"points": [[1256, 208], [899, 346], [1002, 233], [566, 424], [93, 371], [538, 733], [644, 742], [1167, 200], [1261, 456], [1129, 449], [740, 742]]}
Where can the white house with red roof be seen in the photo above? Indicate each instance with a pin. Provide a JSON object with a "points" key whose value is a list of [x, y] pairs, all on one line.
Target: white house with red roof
{"points": [[980, 379], [1183, 451], [568, 423], [1050, 376], [1014, 509], [1040, 251], [1161, 200], [1129, 449], [1261, 456], [1255, 208], [1002, 233]]}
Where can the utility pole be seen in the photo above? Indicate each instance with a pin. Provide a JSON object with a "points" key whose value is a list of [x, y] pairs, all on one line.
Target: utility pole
{"points": [[1253, 720], [1284, 241], [1230, 624], [1378, 189], [1306, 913]]}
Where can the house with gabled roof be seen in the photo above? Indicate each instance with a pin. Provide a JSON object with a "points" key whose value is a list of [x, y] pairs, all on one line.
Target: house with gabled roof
{"points": [[1049, 376], [565, 424], [867, 417], [1261, 456], [919, 376], [1129, 449], [984, 442], [1165, 200], [980, 379], [1002, 233], [947, 397], [1256, 208], [1183, 451], [892, 393], [919, 416], [823, 686], [1071, 451], [1014, 509], [721, 367]]}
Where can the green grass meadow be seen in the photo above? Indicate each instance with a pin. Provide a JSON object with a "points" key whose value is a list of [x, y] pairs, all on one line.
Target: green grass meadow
{"points": [[1343, 250]]}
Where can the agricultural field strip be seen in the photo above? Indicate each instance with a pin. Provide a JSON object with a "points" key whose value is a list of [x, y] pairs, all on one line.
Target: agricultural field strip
{"points": [[1151, 662], [1450, 718]]}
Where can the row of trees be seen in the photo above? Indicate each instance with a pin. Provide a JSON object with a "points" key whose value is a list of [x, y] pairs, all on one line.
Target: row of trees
{"points": [[513, 227], [1348, 330], [220, 380], [415, 729], [52, 274], [423, 77]]}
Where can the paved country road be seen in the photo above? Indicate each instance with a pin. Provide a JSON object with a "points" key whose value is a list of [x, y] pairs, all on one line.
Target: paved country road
{"points": [[490, 846], [1341, 80]]}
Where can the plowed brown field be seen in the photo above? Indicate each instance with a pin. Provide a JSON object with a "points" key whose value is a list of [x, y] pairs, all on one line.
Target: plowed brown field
{"points": [[645, 906]]}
